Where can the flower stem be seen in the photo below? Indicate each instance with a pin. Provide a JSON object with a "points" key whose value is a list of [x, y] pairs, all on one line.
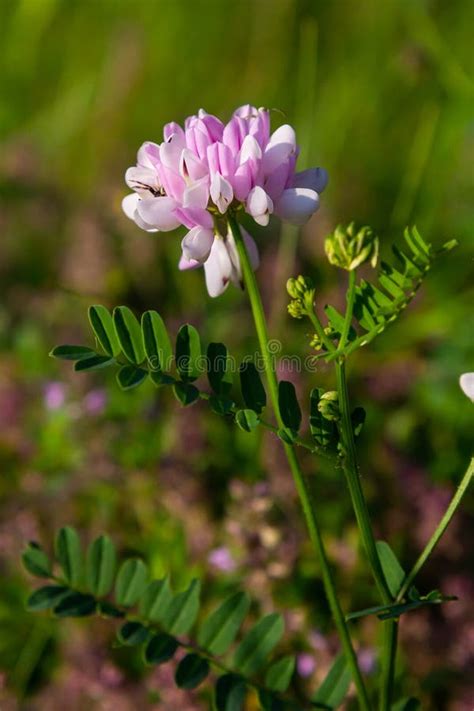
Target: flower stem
{"points": [[300, 482], [351, 470], [440, 529], [349, 310]]}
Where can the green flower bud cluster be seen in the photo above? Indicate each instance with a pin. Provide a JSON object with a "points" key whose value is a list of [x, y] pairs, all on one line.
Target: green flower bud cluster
{"points": [[349, 247], [328, 406], [316, 342], [302, 293]]}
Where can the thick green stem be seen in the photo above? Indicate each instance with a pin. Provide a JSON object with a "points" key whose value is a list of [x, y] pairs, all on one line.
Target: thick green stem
{"points": [[351, 470], [440, 529], [304, 491]]}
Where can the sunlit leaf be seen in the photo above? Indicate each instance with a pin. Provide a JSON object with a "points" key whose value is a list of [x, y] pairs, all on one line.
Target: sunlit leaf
{"points": [[183, 609], [101, 563], [103, 326], [36, 560], [156, 341], [221, 627], [279, 674], [335, 686], [129, 334], [257, 644], [69, 554], [131, 582]]}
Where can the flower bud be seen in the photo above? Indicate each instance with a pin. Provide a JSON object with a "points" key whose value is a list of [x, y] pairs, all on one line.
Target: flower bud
{"points": [[328, 405], [349, 247], [296, 308]]}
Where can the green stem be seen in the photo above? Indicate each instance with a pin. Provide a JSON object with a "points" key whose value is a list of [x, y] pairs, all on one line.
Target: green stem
{"points": [[349, 310], [319, 329], [301, 485], [351, 470], [440, 529]]}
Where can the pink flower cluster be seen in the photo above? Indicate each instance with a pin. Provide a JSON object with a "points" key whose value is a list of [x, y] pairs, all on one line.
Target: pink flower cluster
{"points": [[200, 172]]}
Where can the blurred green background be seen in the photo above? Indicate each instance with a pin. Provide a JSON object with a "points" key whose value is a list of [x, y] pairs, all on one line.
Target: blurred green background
{"points": [[381, 94]]}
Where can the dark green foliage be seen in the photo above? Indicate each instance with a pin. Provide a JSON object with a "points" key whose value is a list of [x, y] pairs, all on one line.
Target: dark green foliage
{"points": [[289, 408], [156, 341], [188, 353], [247, 420], [129, 377], [129, 334], [156, 619], [186, 393], [36, 561], [191, 671], [252, 388], [219, 379], [103, 326]]}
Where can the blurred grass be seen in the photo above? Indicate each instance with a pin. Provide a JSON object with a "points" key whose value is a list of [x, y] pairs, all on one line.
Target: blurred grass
{"points": [[381, 95]]}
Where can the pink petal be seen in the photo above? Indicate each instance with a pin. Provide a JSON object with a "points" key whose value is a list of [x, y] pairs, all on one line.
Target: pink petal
{"points": [[186, 264], [172, 182], [281, 145], [192, 216], [197, 244], [313, 178], [250, 150], [296, 205], [234, 133], [275, 183], [159, 212], [148, 155], [170, 152], [190, 166], [242, 180], [173, 129], [214, 126]]}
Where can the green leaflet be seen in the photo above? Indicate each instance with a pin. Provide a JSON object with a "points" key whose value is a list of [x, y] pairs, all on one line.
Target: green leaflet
{"points": [[155, 600], [69, 555], [252, 388], [183, 609], [221, 627], [101, 563], [129, 334], [67, 352], [46, 597], [335, 686], [185, 393], [188, 353], [191, 671], [103, 327], [230, 693], [75, 604], [247, 420], [279, 675], [257, 644], [156, 342], [160, 649], [131, 582], [130, 377], [393, 571], [288, 404], [217, 361], [95, 362], [132, 634], [36, 561]]}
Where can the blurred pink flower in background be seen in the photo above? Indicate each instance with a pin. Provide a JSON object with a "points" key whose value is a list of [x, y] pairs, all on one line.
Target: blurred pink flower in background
{"points": [[305, 664], [95, 401], [221, 558], [54, 395], [197, 173]]}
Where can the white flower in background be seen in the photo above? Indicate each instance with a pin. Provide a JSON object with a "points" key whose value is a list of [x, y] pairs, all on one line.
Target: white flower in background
{"points": [[466, 381]]}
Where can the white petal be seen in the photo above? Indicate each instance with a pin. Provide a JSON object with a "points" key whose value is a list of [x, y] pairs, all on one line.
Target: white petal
{"points": [[313, 178], [197, 244], [129, 205], [170, 152], [221, 192], [190, 167], [218, 268], [466, 381], [148, 154], [159, 212], [234, 256], [143, 180], [197, 194], [281, 145], [186, 264], [250, 149], [259, 205], [296, 205], [285, 134]]}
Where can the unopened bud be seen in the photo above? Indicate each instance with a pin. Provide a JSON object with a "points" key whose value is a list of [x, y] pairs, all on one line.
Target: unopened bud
{"points": [[296, 308], [300, 287], [328, 405], [349, 247]]}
